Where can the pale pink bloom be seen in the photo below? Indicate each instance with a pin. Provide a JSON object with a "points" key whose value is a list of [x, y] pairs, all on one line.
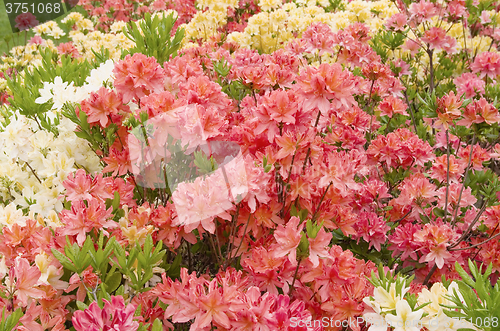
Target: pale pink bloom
{"points": [[397, 22], [198, 203], [288, 239], [318, 245], [412, 46], [25, 279], [423, 11], [485, 17], [438, 254], [437, 40], [469, 84], [456, 10], [318, 37], [36, 40], [487, 64], [454, 191]]}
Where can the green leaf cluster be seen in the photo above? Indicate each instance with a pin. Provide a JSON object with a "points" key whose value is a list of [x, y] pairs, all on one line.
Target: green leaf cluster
{"points": [[138, 264], [8, 323], [205, 165], [155, 39], [478, 301]]}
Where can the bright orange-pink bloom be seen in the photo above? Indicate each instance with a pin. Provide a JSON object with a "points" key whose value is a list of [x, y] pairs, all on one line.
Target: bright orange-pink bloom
{"points": [[455, 170], [448, 109], [416, 191], [327, 84], [138, 76], [434, 239], [103, 105], [479, 155], [391, 105], [213, 309]]}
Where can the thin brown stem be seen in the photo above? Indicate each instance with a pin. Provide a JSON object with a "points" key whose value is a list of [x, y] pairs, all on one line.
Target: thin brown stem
{"points": [[471, 225], [447, 175], [309, 149], [431, 71], [429, 275], [33, 171], [320, 202], [476, 245], [463, 183], [233, 229], [242, 239], [292, 287]]}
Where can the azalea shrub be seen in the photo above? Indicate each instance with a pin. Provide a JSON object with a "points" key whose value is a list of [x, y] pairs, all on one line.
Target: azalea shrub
{"points": [[225, 165]]}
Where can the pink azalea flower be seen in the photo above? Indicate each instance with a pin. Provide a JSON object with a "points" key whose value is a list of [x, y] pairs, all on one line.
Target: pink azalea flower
{"points": [[438, 40], [82, 219], [391, 105], [319, 37], [423, 11], [26, 278], [114, 316], [288, 239], [469, 84], [213, 309], [103, 105], [487, 64], [138, 76], [372, 229], [318, 245], [397, 22]]}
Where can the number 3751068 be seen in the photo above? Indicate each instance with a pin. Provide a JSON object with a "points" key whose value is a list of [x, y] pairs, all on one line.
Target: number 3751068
{"points": [[41, 8]]}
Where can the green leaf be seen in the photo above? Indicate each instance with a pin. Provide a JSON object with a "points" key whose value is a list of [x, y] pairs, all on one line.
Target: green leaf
{"points": [[113, 281], [104, 294], [63, 260], [196, 247], [116, 201], [7, 324], [175, 267], [157, 325], [463, 274], [81, 305]]}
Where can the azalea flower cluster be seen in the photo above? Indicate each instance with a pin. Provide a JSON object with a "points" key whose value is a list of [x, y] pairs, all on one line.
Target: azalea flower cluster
{"points": [[34, 166]]}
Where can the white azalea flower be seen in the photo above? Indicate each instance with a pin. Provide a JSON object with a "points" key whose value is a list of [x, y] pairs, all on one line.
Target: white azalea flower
{"points": [[10, 215], [388, 300], [405, 319], [45, 93], [100, 75], [59, 92], [376, 320]]}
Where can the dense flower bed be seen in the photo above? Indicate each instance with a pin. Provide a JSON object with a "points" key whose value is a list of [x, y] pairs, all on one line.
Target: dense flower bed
{"points": [[224, 165]]}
